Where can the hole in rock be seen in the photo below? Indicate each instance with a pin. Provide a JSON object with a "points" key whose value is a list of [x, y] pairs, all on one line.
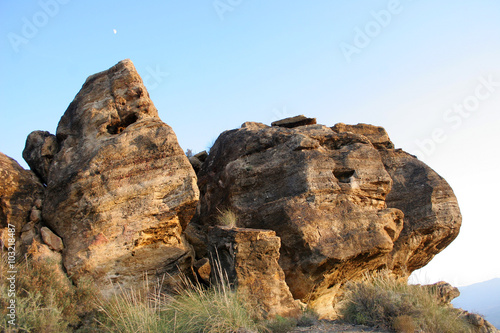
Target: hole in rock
{"points": [[343, 175], [117, 127]]}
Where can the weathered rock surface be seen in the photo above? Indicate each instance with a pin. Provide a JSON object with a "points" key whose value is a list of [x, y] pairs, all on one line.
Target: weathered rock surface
{"points": [[250, 259], [120, 190], [19, 191], [294, 122], [338, 198], [41, 146], [376, 134], [432, 216], [444, 292], [197, 160], [53, 241], [480, 324]]}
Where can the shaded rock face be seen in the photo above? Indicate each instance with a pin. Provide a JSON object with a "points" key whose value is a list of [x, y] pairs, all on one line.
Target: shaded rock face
{"points": [[19, 192], [250, 259], [432, 216], [41, 146], [120, 190], [335, 197]]}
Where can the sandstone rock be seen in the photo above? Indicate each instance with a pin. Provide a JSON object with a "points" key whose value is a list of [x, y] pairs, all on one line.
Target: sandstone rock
{"points": [[196, 235], [19, 189], [41, 146], [444, 292], [250, 259], [120, 189], [197, 160], [35, 215], [28, 226], [432, 216], [202, 156], [480, 324], [294, 122], [325, 192], [28, 236], [203, 269], [195, 163], [38, 203], [475, 319], [4, 238], [376, 134], [52, 240]]}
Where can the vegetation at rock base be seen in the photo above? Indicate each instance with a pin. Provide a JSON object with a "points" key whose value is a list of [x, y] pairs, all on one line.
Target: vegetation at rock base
{"points": [[193, 308], [281, 324], [48, 302], [45, 301], [383, 301]]}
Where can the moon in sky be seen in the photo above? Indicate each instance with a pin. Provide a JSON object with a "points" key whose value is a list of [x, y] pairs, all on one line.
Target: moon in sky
{"points": [[114, 31]]}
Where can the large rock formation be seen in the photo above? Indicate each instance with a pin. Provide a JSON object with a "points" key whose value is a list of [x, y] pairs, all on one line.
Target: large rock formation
{"points": [[20, 193], [120, 190], [120, 194], [342, 200]]}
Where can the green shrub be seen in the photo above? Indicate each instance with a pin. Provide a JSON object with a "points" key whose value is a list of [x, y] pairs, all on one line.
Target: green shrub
{"points": [[382, 301]]}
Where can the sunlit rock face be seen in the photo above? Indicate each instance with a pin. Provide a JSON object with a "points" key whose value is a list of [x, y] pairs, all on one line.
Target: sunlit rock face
{"points": [[341, 199], [120, 190], [19, 192]]}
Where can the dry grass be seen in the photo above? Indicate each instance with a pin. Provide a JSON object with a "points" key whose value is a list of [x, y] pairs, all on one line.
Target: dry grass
{"points": [[135, 311], [45, 301], [194, 308], [227, 218], [48, 302], [385, 302]]}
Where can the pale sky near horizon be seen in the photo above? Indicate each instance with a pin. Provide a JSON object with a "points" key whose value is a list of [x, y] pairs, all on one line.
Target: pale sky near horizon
{"points": [[428, 72]]}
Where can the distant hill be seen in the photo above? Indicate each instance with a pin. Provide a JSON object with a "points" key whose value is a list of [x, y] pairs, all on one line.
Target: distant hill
{"points": [[482, 298]]}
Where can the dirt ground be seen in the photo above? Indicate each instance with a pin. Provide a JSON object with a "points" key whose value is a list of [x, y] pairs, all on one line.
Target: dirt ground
{"points": [[335, 326]]}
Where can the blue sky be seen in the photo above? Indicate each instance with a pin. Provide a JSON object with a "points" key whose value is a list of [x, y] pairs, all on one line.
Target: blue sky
{"points": [[427, 71]]}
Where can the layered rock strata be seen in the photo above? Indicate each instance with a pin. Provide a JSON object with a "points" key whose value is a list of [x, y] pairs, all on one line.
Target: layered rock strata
{"points": [[341, 199], [248, 258], [120, 190]]}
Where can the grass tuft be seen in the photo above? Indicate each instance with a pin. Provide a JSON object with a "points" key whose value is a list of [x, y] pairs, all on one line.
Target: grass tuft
{"points": [[281, 324], [194, 308], [383, 301], [227, 218], [46, 300]]}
